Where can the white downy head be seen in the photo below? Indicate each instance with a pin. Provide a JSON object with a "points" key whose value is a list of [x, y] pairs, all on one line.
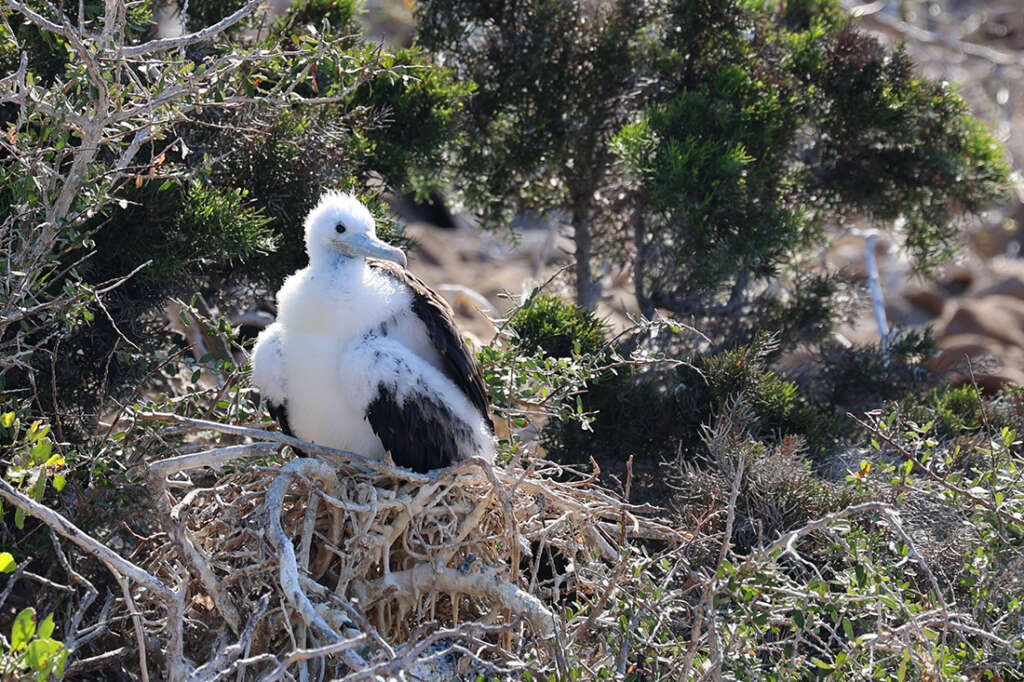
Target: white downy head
{"points": [[342, 227]]}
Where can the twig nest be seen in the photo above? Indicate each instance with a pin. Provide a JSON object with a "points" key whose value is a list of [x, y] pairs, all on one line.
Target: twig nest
{"points": [[346, 552]]}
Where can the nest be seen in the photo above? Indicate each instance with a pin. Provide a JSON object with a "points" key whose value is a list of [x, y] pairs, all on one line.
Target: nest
{"points": [[470, 560]]}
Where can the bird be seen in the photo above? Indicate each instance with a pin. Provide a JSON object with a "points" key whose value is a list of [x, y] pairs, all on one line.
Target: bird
{"points": [[365, 357]]}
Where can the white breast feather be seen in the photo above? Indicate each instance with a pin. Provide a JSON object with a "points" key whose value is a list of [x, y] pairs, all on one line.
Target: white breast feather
{"points": [[268, 372]]}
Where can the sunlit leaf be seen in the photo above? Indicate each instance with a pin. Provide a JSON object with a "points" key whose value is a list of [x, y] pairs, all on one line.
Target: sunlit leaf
{"points": [[23, 629]]}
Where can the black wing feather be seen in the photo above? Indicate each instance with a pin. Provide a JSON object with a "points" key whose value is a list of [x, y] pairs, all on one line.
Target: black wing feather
{"points": [[437, 316], [421, 434], [280, 415]]}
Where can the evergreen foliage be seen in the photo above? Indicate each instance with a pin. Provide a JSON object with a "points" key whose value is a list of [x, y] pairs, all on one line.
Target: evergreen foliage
{"points": [[552, 81], [756, 140], [656, 410], [650, 412], [707, 145], [544, 322], [745, 125]]}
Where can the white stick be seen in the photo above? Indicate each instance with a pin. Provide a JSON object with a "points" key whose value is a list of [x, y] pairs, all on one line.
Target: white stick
{"points": [[289, 575], [877, 301]]}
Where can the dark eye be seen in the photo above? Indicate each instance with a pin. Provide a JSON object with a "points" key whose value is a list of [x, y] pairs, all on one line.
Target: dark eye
{"points": [[340, 228]]}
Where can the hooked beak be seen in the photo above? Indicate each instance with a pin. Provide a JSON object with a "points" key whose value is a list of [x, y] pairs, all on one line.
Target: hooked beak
{"points": [[371, 247]]}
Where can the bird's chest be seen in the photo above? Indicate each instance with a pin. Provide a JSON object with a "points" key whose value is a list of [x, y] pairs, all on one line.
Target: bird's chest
{"points": [[343, 304], [327, 396]]}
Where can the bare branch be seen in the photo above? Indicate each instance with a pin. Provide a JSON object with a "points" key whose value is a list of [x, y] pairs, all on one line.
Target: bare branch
{"points": [[91, 546], [164, 44], [37, 19]]}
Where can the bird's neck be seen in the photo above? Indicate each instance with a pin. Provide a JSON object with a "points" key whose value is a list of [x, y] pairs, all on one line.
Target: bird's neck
{"points": [[335, 265]]}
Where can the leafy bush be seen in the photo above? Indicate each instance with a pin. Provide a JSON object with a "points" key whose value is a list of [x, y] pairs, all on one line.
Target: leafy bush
{"points": [[33, 649], [778, 404], [34, 464], [655, 412], [792, 576], [862, 377], [544, 322]]}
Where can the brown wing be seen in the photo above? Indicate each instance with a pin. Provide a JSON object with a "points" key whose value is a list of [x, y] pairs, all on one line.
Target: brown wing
{"points": [[437, 316]]}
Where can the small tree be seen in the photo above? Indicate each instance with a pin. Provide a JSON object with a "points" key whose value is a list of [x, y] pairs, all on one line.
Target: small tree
{"points": [[714, 145], [553, 81], [773, 121], [745, 128]]}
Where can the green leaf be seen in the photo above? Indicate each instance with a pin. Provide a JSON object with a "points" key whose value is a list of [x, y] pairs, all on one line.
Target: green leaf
{"points": [[62, 660], [59, 664], [46, 627], [23, 629], [19, 518], [862, 575], [848, 628], [7, 420], [59, 482], [41, 451], [39, 654], [38, 488], [7, 563]]}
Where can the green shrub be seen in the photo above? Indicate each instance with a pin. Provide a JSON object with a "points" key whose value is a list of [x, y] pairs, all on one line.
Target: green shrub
{"points": [[957, 410], [859, 378], [779, 406], [545, 322], [32, 648], [649, 411], [340, 14]]}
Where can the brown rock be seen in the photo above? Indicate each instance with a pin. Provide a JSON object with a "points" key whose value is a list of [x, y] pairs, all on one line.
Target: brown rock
{"points": [[997, 317], [956, 350], [930, 300], [1012, 286], [969, 358]]}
